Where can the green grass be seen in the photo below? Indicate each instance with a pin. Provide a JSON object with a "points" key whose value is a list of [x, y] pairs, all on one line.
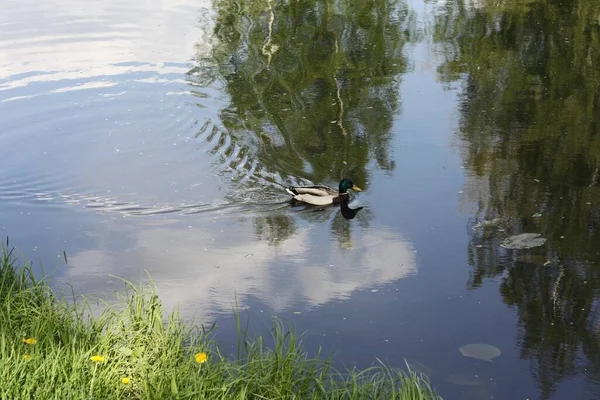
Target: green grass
{"points": [[157, 355]]}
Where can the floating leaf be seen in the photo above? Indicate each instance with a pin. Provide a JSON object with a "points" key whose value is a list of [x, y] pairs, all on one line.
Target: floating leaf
{"points": [[523, 241], [480, 351]]}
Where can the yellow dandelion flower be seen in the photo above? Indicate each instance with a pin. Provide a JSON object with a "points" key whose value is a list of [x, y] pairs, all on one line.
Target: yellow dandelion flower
{"points": [[125, 380], [26, 356], [29, 341], [201, 358], [97, 358]]}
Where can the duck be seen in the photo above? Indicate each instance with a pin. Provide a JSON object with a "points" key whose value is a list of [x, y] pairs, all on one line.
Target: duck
{"points": [[321, 195]]}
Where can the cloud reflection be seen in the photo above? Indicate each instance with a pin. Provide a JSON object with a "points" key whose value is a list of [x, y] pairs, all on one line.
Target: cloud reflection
{"points": [[201, 270]]}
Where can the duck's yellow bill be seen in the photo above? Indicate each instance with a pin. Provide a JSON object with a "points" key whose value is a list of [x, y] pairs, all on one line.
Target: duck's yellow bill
{"points": [[356, 188]]}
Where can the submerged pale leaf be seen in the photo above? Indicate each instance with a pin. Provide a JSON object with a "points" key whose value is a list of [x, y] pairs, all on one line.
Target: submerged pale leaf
{"points": [[480, 351], [523, 241], [493, 223]]}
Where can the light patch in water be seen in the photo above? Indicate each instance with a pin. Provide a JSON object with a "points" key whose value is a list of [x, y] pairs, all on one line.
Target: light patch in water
{"points": [[84, 86], [111, 94], [208, 269]]}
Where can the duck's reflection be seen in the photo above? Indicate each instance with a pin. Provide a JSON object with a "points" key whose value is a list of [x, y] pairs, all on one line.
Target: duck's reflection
{"points": [[350, 207]]}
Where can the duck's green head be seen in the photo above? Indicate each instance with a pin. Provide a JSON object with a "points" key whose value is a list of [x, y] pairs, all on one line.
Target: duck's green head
{"points": [[346, 184]]}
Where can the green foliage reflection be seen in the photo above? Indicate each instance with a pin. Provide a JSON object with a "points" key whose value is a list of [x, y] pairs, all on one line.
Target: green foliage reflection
{"points": [[313, 86], [530, 114]]}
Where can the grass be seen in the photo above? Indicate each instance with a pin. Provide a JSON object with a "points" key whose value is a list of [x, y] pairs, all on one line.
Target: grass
{"points": [[54, 349]]}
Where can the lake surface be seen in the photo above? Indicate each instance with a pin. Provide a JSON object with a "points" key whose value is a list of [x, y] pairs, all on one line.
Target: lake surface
{"points": [[157, 137]]}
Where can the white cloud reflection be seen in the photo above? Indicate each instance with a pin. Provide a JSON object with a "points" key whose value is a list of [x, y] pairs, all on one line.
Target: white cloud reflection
{"points": [[60, 35], [201, 271]]}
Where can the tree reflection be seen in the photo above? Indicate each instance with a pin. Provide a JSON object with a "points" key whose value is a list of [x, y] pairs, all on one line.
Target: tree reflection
{"points": [[313, 85], [279, 227], [313, 88], [530, 113], [274, 228]]}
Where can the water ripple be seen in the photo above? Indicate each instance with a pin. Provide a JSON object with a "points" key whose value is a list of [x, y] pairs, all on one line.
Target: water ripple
{"points": [[95, 99], [120, 116]]}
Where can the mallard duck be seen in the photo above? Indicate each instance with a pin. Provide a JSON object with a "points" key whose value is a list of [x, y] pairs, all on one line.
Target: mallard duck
{"points": [[320, 195]]}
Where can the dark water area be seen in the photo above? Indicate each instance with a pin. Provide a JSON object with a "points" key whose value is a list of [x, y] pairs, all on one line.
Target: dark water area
{"points": [[158, 137]]}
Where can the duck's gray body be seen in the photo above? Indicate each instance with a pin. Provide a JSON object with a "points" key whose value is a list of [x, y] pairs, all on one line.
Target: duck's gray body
{"points": [[321, 195], [318, 195]]}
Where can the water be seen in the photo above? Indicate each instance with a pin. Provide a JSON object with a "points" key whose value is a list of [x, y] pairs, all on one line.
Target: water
{"points": [[157, 137]]}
